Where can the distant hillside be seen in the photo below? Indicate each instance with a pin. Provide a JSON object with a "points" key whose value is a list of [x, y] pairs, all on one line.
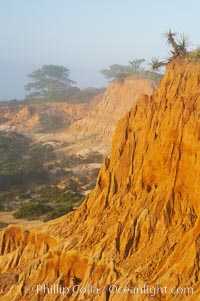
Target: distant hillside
{"points": [[43, 117]]}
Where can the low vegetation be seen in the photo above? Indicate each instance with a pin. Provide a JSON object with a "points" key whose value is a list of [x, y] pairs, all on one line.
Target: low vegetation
{"points": [[25, 167], [51, 202], [21, 162], [59, 211], [55, 195], [32, 210], [3, 225], [179, 45], [135, 69], [194, 56], [10, 199], [75, 160]]}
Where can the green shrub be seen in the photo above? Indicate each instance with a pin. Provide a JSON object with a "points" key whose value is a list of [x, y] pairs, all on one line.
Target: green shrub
{"points": [[69, 196], [13, 195], [12, 146], [42, 153], [21, 163], [59, 211], [194, 56], [3, 225], [49, 192], [32, 210], [56, 195]]}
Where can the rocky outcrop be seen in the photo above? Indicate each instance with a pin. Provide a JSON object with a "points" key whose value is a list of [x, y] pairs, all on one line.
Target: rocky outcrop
{"points": [[27, 118], [140, 226], [99, 124]]}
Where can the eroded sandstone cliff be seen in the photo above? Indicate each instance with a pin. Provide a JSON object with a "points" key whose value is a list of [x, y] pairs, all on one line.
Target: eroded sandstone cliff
{"points": [[29, 117], [140, 225], [101, 121]]}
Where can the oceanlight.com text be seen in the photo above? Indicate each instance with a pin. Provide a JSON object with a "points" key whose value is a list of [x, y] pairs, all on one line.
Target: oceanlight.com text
{"points": [[113, 289]]}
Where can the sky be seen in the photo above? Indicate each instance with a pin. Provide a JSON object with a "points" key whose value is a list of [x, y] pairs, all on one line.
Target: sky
{"points": [[86, 36]]}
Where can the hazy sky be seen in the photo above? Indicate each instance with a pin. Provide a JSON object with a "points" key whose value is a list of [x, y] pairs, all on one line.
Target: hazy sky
{"points": [[86, 36]]}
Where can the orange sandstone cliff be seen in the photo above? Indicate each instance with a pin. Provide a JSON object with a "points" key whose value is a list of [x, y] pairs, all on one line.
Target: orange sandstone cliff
{"points": [[139, 226], [100, 122], [26, 118]]}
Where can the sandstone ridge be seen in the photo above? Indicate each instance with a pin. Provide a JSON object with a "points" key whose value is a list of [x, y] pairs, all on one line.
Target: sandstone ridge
{"points": [[27, 117], [141, 222], [100, 122]]}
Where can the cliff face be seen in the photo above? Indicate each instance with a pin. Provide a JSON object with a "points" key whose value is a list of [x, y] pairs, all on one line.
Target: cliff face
{"points": [[141, 223], [117, 100], [28, 118]]}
